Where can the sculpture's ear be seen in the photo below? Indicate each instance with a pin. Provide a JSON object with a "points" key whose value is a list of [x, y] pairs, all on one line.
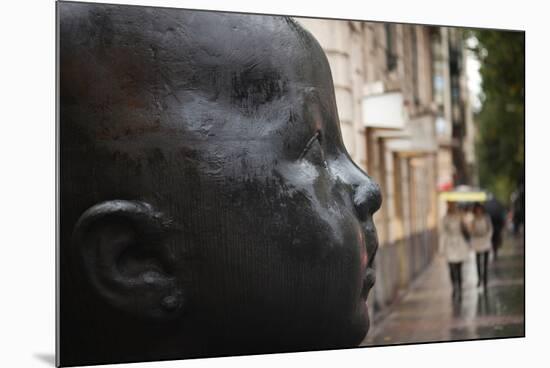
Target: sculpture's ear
{"points": [[123, 248]]}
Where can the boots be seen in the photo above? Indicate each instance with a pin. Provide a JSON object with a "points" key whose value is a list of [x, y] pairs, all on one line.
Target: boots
{"points": [[456, 279], [481, 263]]}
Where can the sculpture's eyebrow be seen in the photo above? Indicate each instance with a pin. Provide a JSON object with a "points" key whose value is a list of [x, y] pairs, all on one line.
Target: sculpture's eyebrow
{"points": [[316, 136], [263, 83], [313, 97]]}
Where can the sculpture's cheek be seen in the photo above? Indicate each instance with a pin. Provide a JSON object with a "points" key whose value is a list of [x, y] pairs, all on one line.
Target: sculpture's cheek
{"points": [[276, 240]]}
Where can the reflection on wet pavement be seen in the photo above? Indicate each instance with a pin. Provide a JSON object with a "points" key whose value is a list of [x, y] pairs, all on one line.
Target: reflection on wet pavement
{"points": [[428, 313]]}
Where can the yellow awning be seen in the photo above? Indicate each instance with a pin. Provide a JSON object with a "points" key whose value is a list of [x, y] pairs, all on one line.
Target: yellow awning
{"points": [[464, 196]]}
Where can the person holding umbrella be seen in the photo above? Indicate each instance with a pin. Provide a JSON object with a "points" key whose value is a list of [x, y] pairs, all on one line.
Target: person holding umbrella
{"points": [[454, 244], [481, 231]]}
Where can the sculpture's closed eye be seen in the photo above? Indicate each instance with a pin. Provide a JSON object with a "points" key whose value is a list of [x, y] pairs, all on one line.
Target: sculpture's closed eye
{"points": [[314, 151]]}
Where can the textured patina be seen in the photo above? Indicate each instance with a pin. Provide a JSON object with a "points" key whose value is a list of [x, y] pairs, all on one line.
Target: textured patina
{"points": [[208, 205]]}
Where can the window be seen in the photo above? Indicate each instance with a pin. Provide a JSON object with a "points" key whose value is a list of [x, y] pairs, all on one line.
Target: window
{"points": [[391, 56], [414, 60]]}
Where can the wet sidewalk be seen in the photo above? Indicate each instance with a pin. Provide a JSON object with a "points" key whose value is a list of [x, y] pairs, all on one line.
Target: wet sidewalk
{"points": [[427, 313]]}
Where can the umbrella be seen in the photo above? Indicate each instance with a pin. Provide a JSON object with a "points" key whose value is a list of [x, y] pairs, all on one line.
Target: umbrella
{"points": [[463, 196]]}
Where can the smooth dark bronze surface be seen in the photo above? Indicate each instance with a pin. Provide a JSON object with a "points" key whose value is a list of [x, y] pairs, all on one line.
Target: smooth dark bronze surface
{"points": [[208, 205]]}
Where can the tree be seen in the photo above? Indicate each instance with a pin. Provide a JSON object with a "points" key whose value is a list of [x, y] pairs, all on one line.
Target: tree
{"points": [[500, 122]]}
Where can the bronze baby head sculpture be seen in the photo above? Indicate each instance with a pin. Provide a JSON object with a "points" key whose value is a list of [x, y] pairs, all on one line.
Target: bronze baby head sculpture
{"points": [[208, 206]]}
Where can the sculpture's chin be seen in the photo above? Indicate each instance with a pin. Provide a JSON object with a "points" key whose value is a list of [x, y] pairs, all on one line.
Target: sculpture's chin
{"points": [[358, 331], [366, 325]]}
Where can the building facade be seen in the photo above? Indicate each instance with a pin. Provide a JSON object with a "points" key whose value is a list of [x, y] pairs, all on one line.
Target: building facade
{"points": [[402, 106]]}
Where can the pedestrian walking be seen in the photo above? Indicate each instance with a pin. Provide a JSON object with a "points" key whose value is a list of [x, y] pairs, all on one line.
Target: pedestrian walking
{"points": [[454, 244], [518, 206], [481, 231], [497, 213]]}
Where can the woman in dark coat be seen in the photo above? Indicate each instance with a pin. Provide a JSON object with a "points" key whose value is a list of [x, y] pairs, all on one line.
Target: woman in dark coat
{"points": [[496, 211]]}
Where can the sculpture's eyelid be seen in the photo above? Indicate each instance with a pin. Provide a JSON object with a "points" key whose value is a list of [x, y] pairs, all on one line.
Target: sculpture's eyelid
{"points": [[316, 137]]}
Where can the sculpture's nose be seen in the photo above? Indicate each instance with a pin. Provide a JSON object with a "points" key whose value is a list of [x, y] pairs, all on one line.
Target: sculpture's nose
{"points": [[365, 192], [366, 197]]}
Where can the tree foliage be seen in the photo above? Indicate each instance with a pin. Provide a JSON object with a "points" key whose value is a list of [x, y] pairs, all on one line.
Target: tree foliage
{"points": [[500, 122]]}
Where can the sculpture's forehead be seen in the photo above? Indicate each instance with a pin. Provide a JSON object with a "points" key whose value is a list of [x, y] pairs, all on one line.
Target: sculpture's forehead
{"points": [[251, 41], [187, 72], [260, 47], [193, 41]]}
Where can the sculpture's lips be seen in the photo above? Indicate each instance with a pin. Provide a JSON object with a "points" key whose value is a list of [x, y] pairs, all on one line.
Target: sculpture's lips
{"points": [[368, 282], [372, 246]]}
